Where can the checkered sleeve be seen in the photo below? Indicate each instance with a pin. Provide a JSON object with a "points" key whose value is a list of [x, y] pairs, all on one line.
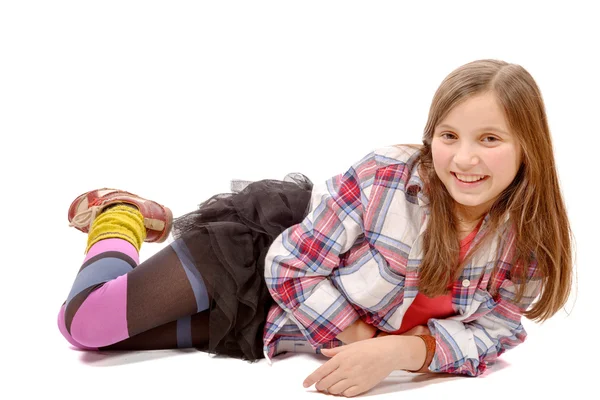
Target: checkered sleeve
{"points": [[301, 259], [466, 348]]}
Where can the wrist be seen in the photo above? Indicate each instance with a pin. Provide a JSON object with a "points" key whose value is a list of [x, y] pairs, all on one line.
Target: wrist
{"points": [[430, 345], [410, 352]]}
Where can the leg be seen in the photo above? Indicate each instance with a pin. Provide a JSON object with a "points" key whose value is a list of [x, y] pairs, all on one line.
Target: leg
{"points": [[113, 300], [186, 332]]}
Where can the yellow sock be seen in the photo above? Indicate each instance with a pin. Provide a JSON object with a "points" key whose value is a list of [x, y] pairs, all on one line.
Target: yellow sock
{"points": [[121, 222]]}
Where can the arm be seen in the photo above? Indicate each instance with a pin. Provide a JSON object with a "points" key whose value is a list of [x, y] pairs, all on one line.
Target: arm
{"points": [[409, 352], [467, 348], [492, 334], [357, 367], [300, 260]]}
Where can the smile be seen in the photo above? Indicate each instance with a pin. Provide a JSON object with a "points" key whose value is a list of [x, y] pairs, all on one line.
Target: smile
{"points": [[469, 181]]}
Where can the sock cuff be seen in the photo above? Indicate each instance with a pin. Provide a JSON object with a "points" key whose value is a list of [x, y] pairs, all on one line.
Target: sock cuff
{"points": [[121, 221]]}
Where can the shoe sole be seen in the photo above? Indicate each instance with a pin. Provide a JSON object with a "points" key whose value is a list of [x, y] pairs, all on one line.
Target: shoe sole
{"points": [[168, 226]]}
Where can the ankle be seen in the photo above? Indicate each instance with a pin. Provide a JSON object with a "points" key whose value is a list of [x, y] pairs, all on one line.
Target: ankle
{"points": [[119, 204]]}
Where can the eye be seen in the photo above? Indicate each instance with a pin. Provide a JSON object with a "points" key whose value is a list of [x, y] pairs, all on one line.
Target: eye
{"points": [[447, 135], [492, 139]]}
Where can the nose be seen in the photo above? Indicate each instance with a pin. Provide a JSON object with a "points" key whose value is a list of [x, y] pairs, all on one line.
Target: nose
{"points": [[466, 156]]}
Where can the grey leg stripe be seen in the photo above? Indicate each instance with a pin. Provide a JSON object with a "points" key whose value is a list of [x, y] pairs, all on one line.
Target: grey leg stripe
{"points": [[184, 332], [103, 270], [192, 273]]}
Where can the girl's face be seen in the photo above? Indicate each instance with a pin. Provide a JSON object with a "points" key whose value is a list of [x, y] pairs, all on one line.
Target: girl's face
{"points": [[474, 154]]}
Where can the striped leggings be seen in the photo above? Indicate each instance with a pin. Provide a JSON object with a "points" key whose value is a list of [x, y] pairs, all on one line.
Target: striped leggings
{"points": [[116, 304]]}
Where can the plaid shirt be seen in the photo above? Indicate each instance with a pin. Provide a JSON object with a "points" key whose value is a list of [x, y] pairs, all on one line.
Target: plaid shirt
{"points": [[357, 255]]}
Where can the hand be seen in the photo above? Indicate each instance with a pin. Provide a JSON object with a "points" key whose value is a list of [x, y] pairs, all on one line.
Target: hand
{"points": [[354, 368], [417, 330]]}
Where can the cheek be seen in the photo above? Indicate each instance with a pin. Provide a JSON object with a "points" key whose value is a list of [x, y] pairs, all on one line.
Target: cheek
{"points": [[441, 156], [503, 164]]}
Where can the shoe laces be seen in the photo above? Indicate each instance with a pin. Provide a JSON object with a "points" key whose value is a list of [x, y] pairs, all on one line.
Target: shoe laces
{"points": [[85, 218]]}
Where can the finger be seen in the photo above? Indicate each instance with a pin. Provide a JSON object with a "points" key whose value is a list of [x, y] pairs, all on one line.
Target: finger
{"points": [[330, 380], [340, 386], [352, 391], [320, 373], [417, 330], [421, 330], [331, 352]]}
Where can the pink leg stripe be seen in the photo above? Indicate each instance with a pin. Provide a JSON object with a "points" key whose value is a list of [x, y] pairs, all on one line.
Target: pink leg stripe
{"points": [[113, 244], [101, 319], [63, 329]]}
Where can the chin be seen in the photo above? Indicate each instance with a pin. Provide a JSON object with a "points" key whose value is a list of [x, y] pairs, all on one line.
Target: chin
{"points": [[468, 202], [479, 206]]}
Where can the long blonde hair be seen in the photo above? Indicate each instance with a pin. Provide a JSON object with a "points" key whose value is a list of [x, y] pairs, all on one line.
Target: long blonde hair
{"points": [[533, 201]]}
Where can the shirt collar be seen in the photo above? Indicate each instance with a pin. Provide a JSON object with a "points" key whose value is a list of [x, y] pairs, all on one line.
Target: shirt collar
{"points": [[415, 185]]}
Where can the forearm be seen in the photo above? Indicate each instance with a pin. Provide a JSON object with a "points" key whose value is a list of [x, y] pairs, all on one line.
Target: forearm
{"points": [[408, 352], [358, 330], [479, 343]]}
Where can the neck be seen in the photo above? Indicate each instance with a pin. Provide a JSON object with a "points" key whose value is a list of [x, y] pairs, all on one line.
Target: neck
{"points": [[469, 215]]}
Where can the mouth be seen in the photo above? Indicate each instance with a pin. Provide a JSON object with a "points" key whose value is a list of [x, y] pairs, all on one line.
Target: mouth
{"points": [[469, 180]]}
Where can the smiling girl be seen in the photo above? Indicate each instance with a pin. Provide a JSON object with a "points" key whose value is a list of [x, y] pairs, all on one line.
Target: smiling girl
{"points": [[419, 258]]}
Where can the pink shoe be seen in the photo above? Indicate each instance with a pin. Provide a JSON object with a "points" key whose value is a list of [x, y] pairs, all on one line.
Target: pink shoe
{"points": [[158, 219]]}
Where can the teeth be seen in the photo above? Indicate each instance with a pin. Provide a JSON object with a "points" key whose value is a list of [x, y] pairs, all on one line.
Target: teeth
{"points": [[465, 178]]}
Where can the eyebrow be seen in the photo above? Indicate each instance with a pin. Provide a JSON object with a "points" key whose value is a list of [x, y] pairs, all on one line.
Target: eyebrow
{"points": [[486, 128]]}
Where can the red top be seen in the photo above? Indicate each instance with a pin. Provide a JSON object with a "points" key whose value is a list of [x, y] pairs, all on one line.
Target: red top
{"points": [[423, 308]]}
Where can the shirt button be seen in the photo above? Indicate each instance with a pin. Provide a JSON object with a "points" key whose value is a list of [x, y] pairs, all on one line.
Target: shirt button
{"points": [[466, 283]]}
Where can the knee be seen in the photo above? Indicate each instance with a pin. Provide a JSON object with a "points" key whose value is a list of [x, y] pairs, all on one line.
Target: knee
{"points": [[89, 333], [62, 327], [101, 319]]}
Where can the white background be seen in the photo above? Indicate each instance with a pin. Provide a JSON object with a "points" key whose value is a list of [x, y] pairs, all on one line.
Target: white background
{"points": [[172, 100]]}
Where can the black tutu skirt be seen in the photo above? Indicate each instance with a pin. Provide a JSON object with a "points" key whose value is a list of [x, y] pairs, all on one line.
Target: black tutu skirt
{"points": [[228, 237]]}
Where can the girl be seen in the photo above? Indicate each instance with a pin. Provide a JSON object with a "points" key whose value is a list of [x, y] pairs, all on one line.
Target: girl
{"points": [[421, 258]]}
